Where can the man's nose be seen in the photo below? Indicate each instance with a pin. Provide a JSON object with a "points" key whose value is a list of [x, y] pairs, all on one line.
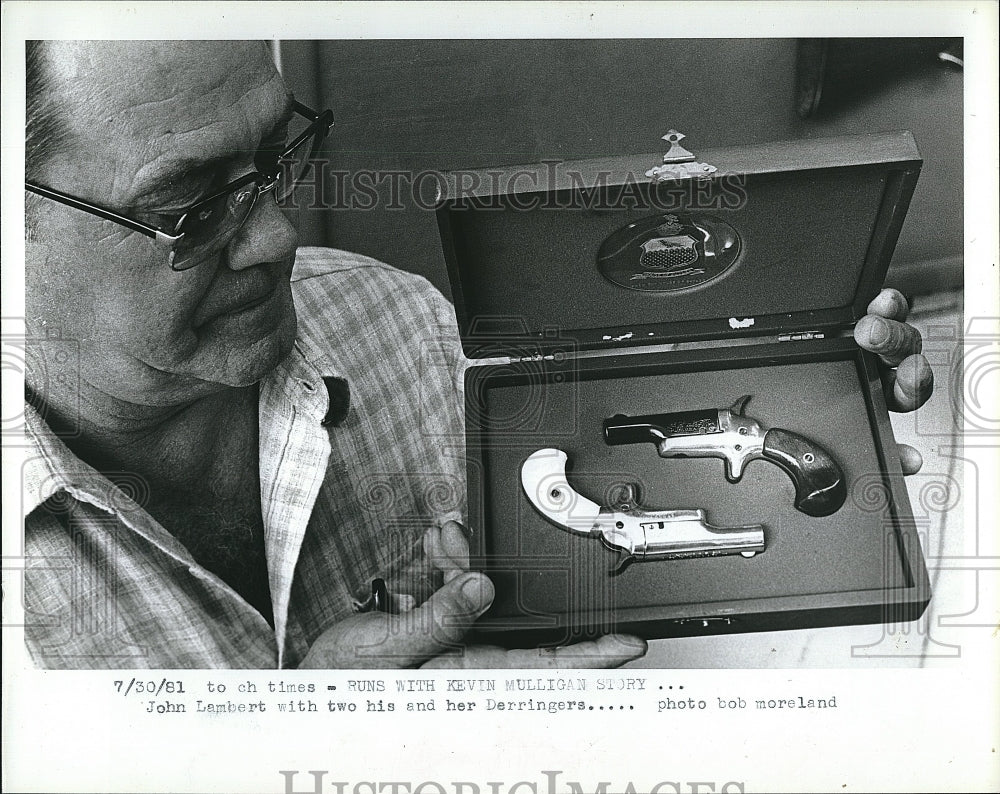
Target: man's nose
{"points": [[266, 236]]}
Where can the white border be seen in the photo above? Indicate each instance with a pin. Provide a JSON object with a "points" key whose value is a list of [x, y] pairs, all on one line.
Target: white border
{"points": [[902, 730]]}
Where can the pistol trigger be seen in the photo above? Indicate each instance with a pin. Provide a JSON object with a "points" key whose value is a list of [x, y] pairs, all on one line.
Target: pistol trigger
{"points": [[624, 561], [740, 406], [734, 468]]}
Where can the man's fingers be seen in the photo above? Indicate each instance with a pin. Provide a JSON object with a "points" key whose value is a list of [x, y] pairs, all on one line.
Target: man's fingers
{"points": [[455, 550], [440, 555], [440, 623], [890, 339], [891, 304], [910, 385], [447, 550], [436, 626], [884, 332], [379, 640], [909, 459], [612, 650]]}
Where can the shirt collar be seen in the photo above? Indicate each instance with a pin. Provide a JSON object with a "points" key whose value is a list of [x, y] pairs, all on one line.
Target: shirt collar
{"points": [[309, 378], [51, 467]]}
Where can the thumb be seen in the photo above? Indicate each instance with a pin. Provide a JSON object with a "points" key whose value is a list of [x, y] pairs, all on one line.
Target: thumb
{"points": [[378, 640], [443, 619]]}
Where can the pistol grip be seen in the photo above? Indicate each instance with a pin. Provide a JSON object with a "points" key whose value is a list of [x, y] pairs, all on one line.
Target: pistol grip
{"points": [[820, 489]]}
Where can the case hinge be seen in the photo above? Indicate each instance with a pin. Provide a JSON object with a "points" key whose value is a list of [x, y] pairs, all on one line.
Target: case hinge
{"points": [[534, 357], [801, 336]]}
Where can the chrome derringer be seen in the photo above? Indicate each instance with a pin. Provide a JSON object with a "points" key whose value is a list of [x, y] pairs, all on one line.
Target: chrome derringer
{"points": [[637, 535], [728, 433]]}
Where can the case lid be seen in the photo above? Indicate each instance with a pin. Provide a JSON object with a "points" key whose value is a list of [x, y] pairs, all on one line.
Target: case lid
{"points": [[783, 237]]}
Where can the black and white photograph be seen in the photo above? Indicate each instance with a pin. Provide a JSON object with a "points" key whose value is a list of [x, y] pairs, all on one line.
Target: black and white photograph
{"points": [[473, 397]]}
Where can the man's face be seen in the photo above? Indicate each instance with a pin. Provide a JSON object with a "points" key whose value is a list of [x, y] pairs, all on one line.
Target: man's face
{"points": [[151, 127]]}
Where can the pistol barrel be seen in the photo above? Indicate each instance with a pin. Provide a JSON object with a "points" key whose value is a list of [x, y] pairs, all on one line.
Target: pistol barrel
{"points": [[620, 429]]}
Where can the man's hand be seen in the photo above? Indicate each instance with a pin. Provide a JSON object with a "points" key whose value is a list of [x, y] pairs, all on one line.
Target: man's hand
{"points": [[430, 635], [908, 379]]}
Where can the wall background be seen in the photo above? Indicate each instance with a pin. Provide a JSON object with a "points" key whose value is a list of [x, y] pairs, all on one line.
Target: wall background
{"points": [[463, 104]]}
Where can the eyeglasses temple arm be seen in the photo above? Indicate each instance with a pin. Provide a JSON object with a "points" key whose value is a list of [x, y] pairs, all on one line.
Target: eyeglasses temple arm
{"points": [[304, 110], [159, 235]]}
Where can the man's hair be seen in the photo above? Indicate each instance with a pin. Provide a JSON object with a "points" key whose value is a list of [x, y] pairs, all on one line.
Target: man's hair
{"points": [[42, 130], [41, 126]]}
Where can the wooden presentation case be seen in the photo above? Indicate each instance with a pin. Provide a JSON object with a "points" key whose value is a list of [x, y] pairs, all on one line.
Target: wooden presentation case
{"points": [[561, 346]]}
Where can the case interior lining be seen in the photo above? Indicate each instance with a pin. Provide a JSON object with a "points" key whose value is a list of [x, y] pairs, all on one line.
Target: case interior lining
{"points": [[549, 570]]}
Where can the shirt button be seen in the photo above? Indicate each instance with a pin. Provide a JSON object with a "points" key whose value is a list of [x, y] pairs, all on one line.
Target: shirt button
{"points": [[340, 401]]}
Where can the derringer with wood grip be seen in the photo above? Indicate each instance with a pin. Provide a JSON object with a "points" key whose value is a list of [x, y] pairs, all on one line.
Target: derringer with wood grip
{"points": [[729, 434], [636, 534]]}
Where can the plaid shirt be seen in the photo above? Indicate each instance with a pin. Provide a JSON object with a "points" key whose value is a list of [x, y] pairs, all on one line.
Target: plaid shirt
{"points": [[107, 586]]}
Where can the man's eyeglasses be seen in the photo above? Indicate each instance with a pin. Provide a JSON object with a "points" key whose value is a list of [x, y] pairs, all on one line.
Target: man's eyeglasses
{"points": [[209, 224]]}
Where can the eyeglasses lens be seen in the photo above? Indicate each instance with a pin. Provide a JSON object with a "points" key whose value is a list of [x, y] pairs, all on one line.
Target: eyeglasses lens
{"points": [[209, 226], [293, 167]]}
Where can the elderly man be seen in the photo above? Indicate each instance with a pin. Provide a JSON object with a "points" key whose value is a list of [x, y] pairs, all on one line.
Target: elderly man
{"points": [[200, 493]]}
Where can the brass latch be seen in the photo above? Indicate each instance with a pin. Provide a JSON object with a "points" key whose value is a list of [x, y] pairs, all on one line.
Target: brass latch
{"points": [[678, 162]]}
